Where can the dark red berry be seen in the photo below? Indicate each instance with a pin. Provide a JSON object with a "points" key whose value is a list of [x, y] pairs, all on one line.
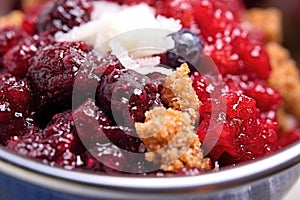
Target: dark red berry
{"points": [[89, 121], [9, 37], [52, 74], [62, 134], [124, 138], [17, 60], [104, 158], [126, 95], [87, 78], [63, 15], [32, 145], [14, 107], [58, 144], [108, 158], [107, 65]]}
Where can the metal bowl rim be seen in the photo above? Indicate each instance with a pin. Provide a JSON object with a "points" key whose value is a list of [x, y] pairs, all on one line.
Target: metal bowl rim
{"points": [[222, 179]]}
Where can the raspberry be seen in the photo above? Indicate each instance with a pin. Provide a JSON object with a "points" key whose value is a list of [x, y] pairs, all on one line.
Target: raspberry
{"points": [[16, 60], [207, 86], [224, 56], [126, 95], [52, 75], [9, 37], [63, 15], [253, 54], [15, 107], [212, 20], [179, 9], [245, 135], [267, 98], [289, 138]]}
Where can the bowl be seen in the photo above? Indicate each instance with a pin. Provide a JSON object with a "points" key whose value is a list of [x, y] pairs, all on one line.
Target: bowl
{"points": [[267, 178]]}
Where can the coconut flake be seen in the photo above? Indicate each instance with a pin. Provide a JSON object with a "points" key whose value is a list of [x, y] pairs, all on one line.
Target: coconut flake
{"points": [[135, 28]]}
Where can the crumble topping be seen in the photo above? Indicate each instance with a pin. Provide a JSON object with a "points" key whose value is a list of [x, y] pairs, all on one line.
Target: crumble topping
{"points": [[179, 93], [15, 17], [267, 20], [171, 140], [286, 121], [285, 77]]}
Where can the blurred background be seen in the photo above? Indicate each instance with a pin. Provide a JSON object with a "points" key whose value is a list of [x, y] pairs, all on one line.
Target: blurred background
{"points": [[291, 21]]}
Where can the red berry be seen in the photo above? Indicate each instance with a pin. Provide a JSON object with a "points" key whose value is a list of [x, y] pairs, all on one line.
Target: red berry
{"points": [[89, 121], [58, 144], [267, 98], [179, 9], [126, 95], [243, 134], [63, 15], [289, 138], [15, 107], [61, 133], [124, 138], [17, 60], [52, 74], [106, 157], [9, 37]]}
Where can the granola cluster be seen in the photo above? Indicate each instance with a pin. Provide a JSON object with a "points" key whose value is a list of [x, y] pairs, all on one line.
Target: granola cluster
{"points": [[179, 93], [171, 141]]}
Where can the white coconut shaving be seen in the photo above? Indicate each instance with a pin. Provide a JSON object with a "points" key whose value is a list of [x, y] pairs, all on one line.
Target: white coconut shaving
{"points": [[135, 28], [143, 65]]}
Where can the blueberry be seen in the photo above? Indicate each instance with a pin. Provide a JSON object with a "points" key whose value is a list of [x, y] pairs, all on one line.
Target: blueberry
{"points": [[187, 49]]}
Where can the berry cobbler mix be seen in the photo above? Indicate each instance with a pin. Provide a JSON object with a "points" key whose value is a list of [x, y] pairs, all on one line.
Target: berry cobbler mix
{"points": [[221, 91]]}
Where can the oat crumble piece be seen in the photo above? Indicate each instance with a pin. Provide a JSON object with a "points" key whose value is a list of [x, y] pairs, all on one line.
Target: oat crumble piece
{"points": [[268, 20], [286, 121], [15, 17], [171, 140], [179, 93], [285, 77]]}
